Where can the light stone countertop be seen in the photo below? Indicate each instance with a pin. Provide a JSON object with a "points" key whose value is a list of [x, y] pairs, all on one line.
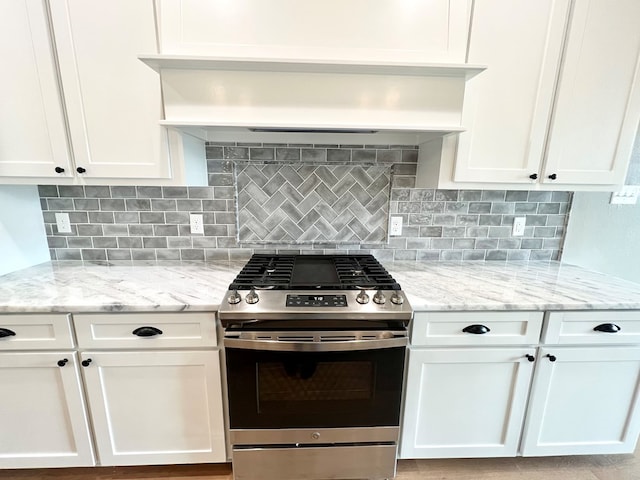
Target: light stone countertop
{"points": [[184, 286], [440, 286], [93, 287]]}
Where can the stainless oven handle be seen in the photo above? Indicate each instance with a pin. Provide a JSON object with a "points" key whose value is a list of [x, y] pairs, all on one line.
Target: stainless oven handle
{"points": [[337, 346]]}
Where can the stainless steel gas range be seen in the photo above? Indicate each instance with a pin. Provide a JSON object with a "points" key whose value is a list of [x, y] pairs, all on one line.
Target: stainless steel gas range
{"points": [[315, 348]]}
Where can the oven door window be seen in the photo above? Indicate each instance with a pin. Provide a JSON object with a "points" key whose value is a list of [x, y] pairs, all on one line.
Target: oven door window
{"points": [[299, 390]]}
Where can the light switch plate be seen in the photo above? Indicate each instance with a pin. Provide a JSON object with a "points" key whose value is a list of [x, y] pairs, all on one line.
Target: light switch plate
{"points": [[628, 195], [518, 226]]}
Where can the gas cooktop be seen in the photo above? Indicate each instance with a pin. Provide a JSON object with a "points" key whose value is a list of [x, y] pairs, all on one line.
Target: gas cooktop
{"points": [[308, 272], [310, 288]]}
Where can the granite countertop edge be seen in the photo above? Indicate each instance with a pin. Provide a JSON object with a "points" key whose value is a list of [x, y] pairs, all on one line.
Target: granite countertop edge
{"points": [[98, 287]]}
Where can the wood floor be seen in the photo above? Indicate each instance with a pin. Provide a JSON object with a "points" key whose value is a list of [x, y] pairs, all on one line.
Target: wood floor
{"points": [[596, 467]]}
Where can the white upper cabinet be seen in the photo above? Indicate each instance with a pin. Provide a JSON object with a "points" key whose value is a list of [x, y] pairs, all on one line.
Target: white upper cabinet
{"points": [[33, 139], [113, 101], [351, 31], [559, 104], [507, 108], [598, 98]]}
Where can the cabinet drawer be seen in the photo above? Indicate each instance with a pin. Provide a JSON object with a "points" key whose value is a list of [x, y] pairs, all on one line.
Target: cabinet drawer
{"points": [[465, 328], [145, 330], [35, 332], [607, 327]]}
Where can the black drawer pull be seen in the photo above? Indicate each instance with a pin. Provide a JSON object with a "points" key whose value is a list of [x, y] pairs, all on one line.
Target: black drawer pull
{"points": [[5, 332], [476, 329], [607, 328], [552, 358], [63, 362], [531, 358], [147, 331], [87, 362]]}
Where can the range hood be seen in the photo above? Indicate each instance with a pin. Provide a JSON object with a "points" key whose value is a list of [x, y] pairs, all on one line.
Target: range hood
{"points": [[244, 99]]}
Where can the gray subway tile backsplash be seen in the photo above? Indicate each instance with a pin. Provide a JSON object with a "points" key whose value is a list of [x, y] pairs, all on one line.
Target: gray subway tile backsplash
{"points": [[152, 222]]}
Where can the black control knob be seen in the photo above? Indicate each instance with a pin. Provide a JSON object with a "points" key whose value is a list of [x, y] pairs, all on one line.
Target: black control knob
{"points": [[553, 176], [63, 362], [81, 170], [533, 176], [362, 297], [252, 297], [87, 362], [59, 170]]}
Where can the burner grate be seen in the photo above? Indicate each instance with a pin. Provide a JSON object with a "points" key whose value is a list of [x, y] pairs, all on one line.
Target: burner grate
{"points": [[265, 271], [331, 272]]}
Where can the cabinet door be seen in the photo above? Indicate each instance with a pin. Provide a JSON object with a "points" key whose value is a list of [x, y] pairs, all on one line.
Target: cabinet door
{"points": [[598, 98], [156, 407], [584, 402], [507, 107], [113, 100], [42, 412], [465, 402], [33, 139]]}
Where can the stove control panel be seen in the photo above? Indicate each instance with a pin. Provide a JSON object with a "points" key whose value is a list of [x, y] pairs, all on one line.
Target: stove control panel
{"points": [[316, 300]]}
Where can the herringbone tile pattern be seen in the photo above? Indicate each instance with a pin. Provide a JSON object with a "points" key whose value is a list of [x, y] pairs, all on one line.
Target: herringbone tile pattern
{"points": [[302, 204]]}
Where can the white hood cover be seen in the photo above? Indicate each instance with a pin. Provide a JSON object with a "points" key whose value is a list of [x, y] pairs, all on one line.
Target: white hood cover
{"points": [[227, 97]]}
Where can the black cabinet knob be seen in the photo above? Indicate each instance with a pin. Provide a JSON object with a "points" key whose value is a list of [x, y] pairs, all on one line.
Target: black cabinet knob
{"points": [[63, 362], [5, 332], [476, 329], [607, 328], [59, 170], [147, 331], [531, 358], [552, 358], [81, 170], [533, 176], [87, 362], [553, 176]]}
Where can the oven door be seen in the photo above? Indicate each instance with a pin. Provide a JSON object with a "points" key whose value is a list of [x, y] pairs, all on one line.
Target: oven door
{"points": [[321, 384]]}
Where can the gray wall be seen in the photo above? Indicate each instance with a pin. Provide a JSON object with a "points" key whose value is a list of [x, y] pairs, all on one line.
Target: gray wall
{"points": [[148, 223], [606, 237], [22, 235]]}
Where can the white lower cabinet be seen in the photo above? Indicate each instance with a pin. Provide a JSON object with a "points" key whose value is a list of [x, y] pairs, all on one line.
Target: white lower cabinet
{"points": [[137, 389], [465, 402], [568, 385], [584, 400], [43, 422], [155, 407]]}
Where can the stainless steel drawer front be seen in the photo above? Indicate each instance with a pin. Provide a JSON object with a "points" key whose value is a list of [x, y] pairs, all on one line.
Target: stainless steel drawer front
{"points": [[300, 463]]}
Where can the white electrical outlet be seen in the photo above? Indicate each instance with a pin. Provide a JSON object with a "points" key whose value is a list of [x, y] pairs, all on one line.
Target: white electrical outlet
{"points": [[518, 226], [396, 226], [197, 224], [63, 223]]}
